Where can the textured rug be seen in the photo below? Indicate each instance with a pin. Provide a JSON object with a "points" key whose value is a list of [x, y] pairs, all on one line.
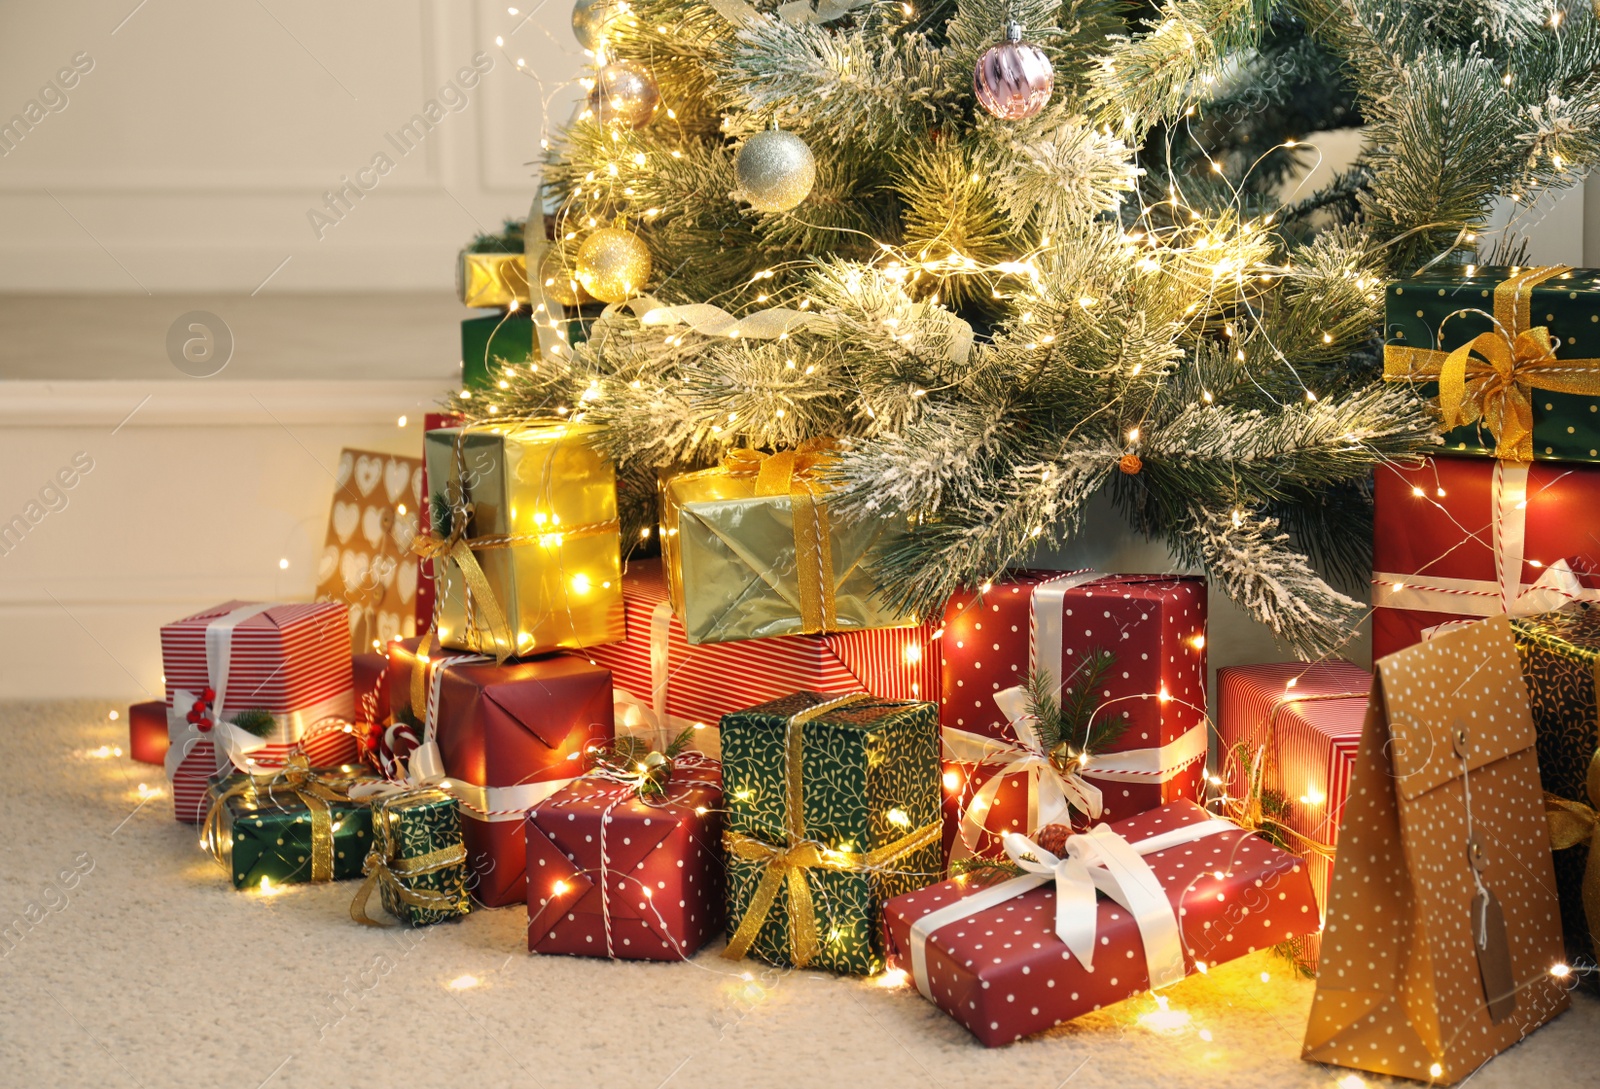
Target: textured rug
{"points": [[128, 960]]}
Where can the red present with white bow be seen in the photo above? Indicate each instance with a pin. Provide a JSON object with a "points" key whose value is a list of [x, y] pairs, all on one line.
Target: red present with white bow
{"points": [[290, 661], [665, 685], [1126, 908], [500, 738], [998, 777], [1459, 539]]}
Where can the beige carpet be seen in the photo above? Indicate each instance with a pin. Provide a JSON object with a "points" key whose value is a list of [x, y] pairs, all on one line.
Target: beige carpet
{"points": [[152, 971]]}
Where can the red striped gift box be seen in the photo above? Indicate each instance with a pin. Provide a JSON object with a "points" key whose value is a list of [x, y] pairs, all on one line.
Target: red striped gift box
{"points": [[292, 661], [1301, 725], [665, 683]]}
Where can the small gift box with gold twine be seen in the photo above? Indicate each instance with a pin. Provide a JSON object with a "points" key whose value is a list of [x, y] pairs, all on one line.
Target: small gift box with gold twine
{"points": [[418, 863], [752, 550], [525, 538], [1513, 355], [492, 279]]}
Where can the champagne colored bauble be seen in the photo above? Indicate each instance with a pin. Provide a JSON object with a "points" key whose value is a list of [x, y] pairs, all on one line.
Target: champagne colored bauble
{"points": [[624, 93], [613, 264], [1013, 80], [590, 19], [775, 171], [560, 282]]}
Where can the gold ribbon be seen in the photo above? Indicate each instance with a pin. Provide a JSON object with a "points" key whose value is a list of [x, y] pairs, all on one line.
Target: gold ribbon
{"points": [[1492, 377], [797, 473], [1573, 823], [295, 780], [785, 865], [384, 867]]}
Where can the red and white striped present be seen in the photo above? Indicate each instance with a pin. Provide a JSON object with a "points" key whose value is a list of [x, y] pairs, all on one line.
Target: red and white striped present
{"points": [[1295, 727], [664, 684], [290, 661]]}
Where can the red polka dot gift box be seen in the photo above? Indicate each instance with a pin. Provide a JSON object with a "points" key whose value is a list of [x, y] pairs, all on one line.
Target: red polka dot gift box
{"points": [[1125, 908], [503, 737], [998, 775], [615, 873]]}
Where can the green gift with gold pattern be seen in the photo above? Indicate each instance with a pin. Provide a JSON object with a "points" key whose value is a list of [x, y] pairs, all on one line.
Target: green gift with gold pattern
{"points": [[833, 808], [1512, 354], [418, 862], [297, 824], [1560, 654]]}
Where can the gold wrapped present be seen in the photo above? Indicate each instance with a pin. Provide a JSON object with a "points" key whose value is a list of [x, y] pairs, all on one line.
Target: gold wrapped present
{"points": [[525, 538], [752, 551], [492, 279]]}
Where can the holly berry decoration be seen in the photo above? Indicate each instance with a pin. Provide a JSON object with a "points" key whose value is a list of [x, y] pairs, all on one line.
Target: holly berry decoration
{"points": [[1013, 80], [198, 715]]}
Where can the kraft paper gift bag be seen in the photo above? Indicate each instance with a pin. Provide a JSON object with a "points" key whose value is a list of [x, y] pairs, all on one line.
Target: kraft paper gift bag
{"points": [[1443, 944]]}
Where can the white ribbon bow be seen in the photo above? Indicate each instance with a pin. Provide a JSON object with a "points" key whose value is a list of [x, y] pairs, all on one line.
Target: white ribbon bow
{"points": [[231, 742], [1097, 861]]}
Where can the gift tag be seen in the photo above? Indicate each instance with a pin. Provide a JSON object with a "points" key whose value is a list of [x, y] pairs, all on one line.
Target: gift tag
{"points": [[1494, 955]]}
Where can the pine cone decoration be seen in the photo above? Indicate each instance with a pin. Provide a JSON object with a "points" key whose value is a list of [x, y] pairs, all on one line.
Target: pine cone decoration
{"points": [[1130, 464], [1053, 838]]}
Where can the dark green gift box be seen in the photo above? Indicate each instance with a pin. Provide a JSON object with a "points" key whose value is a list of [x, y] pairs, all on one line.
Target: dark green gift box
{"points": [[1560, 652], [494, 339], [1417, 337], [868, 779], [265, 832], [409, 828]]}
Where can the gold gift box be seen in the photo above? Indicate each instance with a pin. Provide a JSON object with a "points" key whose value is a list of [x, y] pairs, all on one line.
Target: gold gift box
{"points": [[751, 552], [492, 279], [533, 506]]}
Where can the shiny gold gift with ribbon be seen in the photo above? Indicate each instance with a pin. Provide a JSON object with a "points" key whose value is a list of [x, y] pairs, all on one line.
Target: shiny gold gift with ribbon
{"points": [[525, 538], [492, 279], [752, 550], [1531, 379]]}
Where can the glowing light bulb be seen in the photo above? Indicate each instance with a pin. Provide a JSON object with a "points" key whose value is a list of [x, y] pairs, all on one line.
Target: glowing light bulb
{"points": [[892, 978], [952, 781], [462, 983], [580, 583], [912, 653], [402, 421], [1560, 971], [560, 888], [283, 564], [898, 818], [1435, 1070]]}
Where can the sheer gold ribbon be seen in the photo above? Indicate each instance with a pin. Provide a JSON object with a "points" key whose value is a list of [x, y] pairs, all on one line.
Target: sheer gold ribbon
{"points": [[384, 868], [786, 864], [295, 780], [1573, 823], [1492, 377]]}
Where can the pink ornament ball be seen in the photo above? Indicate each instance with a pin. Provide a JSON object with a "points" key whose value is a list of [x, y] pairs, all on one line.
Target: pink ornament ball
{"points": [[1013, 80]]}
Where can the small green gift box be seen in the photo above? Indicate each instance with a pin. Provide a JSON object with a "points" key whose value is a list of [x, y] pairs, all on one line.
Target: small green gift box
{"points": [[491, 342], [418, 862], [293, 826], [1512, 354], [833, 807]]}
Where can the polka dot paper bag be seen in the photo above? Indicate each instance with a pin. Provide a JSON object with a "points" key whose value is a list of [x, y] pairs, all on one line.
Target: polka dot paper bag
{"points": [[1443, 944]]}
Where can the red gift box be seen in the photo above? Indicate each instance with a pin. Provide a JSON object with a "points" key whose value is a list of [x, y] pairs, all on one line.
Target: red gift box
{"points": [[431, 421], [147, 732], [291, 661], [1153, 625], [507, 736], [1458, 539], [371, 675], [999, 960], [612, 875], [1293, 729], [665, 685]]}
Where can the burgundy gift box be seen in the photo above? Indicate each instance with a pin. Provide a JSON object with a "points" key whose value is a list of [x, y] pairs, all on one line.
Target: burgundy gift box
{"points": [[147, 732], [1463, 538], [1296, 727], [1153, 625], [508, 736], [612, 875], [1005, 973]]}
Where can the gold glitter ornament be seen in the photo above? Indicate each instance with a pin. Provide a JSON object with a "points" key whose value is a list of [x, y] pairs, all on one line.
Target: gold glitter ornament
{"points": [[590, 21], [624, 94], [613, 264], [775, 171], [560, 282]]}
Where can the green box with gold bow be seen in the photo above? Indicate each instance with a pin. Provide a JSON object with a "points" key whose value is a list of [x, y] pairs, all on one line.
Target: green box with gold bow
{"points": [[290, 827], [418, 862], [832, 809], [1560, 654], [1512, 354]]}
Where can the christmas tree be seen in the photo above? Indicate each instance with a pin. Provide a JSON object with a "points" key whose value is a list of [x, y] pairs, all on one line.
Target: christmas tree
{"points": [[1009, 255]]}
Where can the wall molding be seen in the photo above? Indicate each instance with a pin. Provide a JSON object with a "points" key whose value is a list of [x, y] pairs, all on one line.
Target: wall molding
{"points": [[145, 404]]}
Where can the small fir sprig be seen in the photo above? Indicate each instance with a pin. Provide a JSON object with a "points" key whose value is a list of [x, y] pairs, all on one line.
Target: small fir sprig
{"points": [[1071, 718], [257, 722]]}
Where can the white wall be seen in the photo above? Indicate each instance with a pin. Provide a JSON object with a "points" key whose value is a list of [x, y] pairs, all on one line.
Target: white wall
{"points": [[190, 153]]}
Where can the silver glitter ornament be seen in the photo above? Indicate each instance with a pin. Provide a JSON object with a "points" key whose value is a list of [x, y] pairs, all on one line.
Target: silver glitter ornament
{"points": [[613, 264], [590, 20], [1013, 80], [624, 93], [775, 171]]}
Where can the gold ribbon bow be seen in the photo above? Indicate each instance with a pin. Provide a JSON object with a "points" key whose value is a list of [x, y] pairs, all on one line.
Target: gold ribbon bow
{"points": [[1492, 377], [798, 474], [294, 780], [786, 864], [383, 867], [1572, 823]]}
